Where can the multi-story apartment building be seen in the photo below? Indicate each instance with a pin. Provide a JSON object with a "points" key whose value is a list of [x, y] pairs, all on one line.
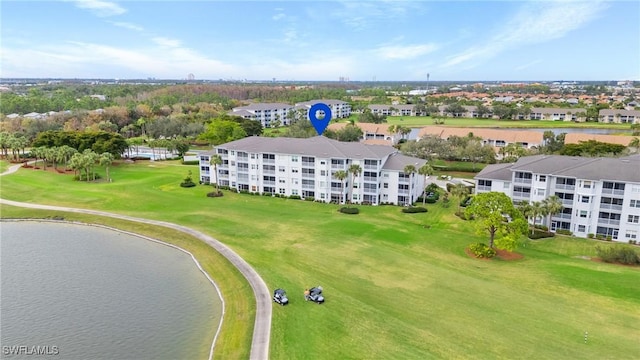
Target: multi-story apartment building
{"points": [[600, 195], [619, 116], [266, 113], [562, 114], [307, 167], [339, 109]]}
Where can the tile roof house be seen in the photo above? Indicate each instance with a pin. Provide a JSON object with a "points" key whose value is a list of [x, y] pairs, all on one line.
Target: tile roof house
{"points": [[372, 133], [575, 138], [495, 137], [600, 195], [306, 168]]}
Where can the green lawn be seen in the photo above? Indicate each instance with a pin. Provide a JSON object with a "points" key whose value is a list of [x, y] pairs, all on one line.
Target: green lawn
{"points": [[4, 164], [394, 289], [419, 121]]}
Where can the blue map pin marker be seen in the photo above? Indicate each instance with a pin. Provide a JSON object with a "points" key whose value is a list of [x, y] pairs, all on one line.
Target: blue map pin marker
{"points": [[320, 124]]}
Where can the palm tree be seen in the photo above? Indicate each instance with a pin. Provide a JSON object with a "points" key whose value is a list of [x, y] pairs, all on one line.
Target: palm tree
{"points": [[537, 209], [459, 191], [355, 170], [410, 170], [216, 160], [635, 143], [106, 159], [425, 170], [551, 205], [526, 209], [341, 175]]}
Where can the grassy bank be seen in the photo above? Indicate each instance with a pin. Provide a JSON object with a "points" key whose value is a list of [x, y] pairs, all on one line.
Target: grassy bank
{"points": [[394, 288], [420, 121]]}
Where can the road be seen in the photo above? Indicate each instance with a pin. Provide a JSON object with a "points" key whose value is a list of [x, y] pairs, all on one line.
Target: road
{"points": [[262, 326]]}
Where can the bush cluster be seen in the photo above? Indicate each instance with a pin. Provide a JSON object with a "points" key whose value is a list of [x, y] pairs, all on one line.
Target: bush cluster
{"points": [[563, 232], [482, 250], [618, 254], [349, 210], [540, 234], [215, 194], [414, 209], [192, 162]]}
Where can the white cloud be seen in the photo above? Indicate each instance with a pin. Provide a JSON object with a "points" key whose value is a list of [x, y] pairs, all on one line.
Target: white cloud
{"points": [[535, 23], [166, 42], [279, 16], [360, 15], [101, 8], [404, 52], [127, 25]]}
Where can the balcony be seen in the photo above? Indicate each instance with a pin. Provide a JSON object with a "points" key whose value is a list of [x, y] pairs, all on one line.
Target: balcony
{"points": [[612, 192], [484, 188], [243, 170], [371, 167], [608, 222], [522, 181], [268, 161], [561, 216], [567, 202], [520, 194], [268, 172], [268, 183], [336, 190], [611, 207], [565, 187], [370, 179], [337, 166], [403, 192], [308, 164], [308, 186]]}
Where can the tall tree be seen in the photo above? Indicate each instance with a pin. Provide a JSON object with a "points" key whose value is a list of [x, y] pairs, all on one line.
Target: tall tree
{"points": [[425, 170], [341, 175], [106, 159], [495, 213], [216, 160], [459, 191], [410, 170], [551, 205], [355, 170]]}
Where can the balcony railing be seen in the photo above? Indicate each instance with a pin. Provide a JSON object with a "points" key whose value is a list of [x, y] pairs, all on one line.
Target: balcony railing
{"points": [[522, 181], [370, 179], [371, 167], [308, 187], [308, 164], [242, 158], [268, 183], [608, 222], [561, 216], [520, 194], [613, 191], [336, 189], [484, 188], [611, 207], [243, 170], [567, 202], [403, 191], [268, 172], [337, 166], [565, 187], [268, 161]]}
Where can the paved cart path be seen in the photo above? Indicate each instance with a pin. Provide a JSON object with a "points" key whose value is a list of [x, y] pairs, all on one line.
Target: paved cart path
{"points": [[262, 326]]}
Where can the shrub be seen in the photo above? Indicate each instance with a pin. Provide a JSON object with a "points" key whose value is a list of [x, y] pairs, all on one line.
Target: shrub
{"points": [[541, 227], [590, 235], [215, 194], [295, 197], [540, 234], [414, 209], [563, 232], [618, 254], [192, 162], [461, 215], [309, 199], [481, 250], [430, 200], [599, 236], [349, 210]]}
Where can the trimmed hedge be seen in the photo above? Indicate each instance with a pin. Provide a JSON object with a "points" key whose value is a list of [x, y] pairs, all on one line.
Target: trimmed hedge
{"points": [[349, 210], [414, 209], [192, 162], [215, 194], [563, 232], [540, 234]]}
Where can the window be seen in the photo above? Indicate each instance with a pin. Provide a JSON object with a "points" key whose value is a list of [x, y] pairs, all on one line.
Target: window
{"points": [[233, 152], [584, 199], [281, 191], [634, 203], [282, 181], [323, 196], [323, 163], [542, 178], [540, 192], [281, 169], [294, 158], [581, 228], [633, 219], [631, 234], [233, 163], [204, 168], [253, 156], [385, 185], [294, 192], [295, 171], [323, 172], [586, 184], [583, 213], [506, 185]]}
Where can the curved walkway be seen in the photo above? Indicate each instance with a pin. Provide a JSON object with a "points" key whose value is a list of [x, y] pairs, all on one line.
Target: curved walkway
{"points": [[262, 326]]}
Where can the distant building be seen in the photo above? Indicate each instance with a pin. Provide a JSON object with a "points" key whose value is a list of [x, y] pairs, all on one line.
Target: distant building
{"points": [[339, 109], [619, 116], [265, 113]]}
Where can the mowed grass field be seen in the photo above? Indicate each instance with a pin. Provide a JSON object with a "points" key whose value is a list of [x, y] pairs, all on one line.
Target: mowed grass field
{"points": [[420, 121], [394, 289]]}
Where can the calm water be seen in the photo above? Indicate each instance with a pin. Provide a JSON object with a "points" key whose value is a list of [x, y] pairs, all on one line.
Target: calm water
{"points": [[94, 293]]}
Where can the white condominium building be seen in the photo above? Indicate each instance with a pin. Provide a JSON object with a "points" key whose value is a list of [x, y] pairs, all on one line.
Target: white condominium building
{"points": [[265, 113], [601, 196], [339, 109], [306, 168]]}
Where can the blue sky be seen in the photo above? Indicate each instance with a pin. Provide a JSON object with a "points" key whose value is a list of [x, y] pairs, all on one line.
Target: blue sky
{"points": [[322, 40]]}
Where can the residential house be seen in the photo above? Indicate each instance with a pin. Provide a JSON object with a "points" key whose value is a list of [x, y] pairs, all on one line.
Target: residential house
{"points": [[375, 134], [563, 114], [575, 138], [600, 196], [306, 168]]}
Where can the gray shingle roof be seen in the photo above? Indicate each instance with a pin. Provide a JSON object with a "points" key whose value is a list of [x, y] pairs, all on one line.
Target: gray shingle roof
{"points": [[319, 146], [495, 172], [599, 169], [398, 161]]}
